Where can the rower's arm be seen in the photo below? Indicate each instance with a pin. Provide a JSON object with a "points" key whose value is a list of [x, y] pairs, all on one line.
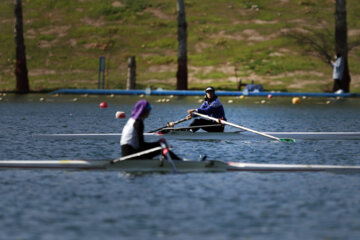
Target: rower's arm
{"points": [[207, 109], [139, 131]]}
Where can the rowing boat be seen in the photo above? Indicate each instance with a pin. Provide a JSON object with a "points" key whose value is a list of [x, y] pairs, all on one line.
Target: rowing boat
{"points": [[156, 166], [236, 135], [244, 135]]}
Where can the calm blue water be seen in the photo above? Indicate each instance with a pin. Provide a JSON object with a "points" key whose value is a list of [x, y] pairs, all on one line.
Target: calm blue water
{"points": [[45, 204]]}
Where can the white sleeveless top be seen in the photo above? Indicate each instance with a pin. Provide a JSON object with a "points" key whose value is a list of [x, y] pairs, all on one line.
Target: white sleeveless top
{"points": [[129, 135]]}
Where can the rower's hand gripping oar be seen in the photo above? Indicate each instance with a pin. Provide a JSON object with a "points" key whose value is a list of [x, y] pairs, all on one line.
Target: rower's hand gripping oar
{"points": [[243, 128], [176, 122]]}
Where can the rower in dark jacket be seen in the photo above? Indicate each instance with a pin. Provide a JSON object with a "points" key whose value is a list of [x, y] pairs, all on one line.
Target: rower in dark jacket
{"points": [[132, 137], [211, 107]]}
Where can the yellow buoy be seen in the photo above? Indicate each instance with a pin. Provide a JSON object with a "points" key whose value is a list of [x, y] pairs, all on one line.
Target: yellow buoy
{"points": [[296, 100]]}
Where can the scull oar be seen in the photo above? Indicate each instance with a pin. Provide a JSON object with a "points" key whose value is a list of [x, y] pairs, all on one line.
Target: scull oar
{"points": [[165, 151], [136, 154], [176, 122], [191, 127], [244, 128]]}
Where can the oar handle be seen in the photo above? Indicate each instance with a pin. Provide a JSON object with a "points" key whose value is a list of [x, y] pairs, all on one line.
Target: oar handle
{"points": [[238, 126], [176, 122]]}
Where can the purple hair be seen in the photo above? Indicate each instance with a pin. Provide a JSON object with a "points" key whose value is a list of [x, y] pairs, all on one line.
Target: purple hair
{"points": [[140, 108]]}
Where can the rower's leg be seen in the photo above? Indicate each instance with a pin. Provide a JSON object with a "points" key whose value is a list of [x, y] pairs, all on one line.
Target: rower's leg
{"points": [[219, 128], [150, 155], [150, 145], [194, 123], [128, 150]]}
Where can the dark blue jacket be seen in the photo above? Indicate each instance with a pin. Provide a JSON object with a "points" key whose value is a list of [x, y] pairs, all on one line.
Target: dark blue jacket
{"points": [[212, 108]]}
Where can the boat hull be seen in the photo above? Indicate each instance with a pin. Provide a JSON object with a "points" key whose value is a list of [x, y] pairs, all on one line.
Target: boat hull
{"points": [[156, 166], [132, 166], [243, 135]]}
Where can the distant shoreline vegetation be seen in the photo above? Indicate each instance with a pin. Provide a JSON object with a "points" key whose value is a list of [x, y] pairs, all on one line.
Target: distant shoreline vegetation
{"points": [[227, 41]]}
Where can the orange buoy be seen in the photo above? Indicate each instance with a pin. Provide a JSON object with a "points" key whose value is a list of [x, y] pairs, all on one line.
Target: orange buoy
{"points": [[119, 114]]}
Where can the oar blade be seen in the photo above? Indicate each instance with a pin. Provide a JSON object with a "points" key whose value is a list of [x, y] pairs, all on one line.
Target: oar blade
{"points": [[287, 140]]}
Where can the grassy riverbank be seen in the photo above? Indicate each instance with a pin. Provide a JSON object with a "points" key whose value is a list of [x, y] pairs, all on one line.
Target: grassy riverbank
{"points": [[227, 40]]}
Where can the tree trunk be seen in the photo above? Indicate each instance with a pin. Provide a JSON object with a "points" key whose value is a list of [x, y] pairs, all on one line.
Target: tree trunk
{"points": [[341, 45], [21, 72], [131, 79], [182, 72]]}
